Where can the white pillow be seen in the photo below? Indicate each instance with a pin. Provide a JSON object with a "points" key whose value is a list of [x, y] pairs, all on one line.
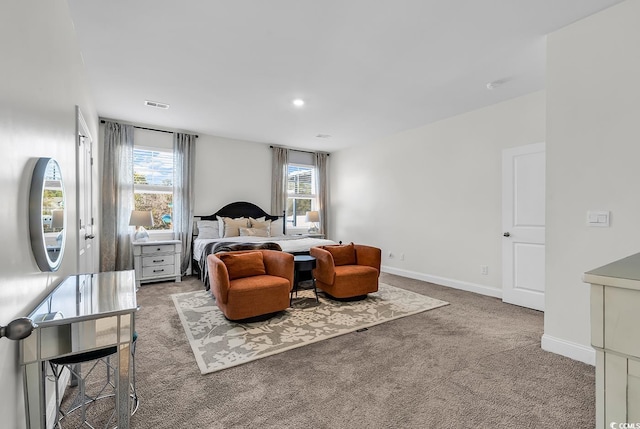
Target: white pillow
{"points": [[276, 228], [208, 229]]}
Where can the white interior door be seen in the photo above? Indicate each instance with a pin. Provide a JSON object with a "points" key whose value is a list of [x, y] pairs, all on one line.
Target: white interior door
{"points": [[523, 223], [84, 167]]}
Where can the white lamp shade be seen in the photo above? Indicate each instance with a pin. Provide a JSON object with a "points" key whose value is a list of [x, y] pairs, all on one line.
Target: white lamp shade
{"points": [[141, 218], [313, 216]]}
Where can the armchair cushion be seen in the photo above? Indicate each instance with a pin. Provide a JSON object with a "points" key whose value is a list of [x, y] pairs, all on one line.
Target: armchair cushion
{"points": [[343, 254], [240, 265]]}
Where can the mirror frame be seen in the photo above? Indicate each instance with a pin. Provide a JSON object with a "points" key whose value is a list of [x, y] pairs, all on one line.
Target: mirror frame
{"points": [[36, 221]]}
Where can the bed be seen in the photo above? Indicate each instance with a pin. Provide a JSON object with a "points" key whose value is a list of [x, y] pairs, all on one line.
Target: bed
{"points": [[244, 225]]}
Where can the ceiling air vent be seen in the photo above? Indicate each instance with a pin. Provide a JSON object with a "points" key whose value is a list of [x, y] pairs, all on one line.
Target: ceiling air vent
{"points": [[156, 104]]}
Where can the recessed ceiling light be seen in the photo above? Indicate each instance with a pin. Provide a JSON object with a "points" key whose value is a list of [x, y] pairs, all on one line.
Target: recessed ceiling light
{"points": [[156, 104], [298, 102], [323, 136]]}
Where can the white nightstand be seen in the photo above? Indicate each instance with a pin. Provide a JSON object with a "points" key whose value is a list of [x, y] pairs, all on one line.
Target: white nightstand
{"points": [[314, 235], [157, 260]]}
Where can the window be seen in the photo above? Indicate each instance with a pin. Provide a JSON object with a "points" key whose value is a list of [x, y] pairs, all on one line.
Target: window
{"points": [[301, 194], [153, 184]]}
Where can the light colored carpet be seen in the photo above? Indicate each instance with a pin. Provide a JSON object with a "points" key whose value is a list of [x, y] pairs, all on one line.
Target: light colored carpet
{"points": [[218, 343], [475, 363]]}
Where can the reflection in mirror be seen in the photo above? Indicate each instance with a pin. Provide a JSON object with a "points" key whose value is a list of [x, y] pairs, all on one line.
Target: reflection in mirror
{"points": [[47, 214]]}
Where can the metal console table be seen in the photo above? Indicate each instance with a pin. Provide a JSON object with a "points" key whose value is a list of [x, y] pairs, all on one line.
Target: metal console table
{"points": [[84, 312]]}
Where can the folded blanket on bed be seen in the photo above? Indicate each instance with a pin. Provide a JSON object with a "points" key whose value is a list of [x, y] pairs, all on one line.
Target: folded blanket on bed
{"points": [[228, 247]]}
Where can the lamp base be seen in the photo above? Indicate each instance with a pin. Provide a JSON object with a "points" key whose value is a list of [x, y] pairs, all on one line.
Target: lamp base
{"points": [[313, 229], [141, 234]]}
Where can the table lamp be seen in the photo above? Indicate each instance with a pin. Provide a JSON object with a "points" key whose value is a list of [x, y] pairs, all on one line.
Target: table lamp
{"points": [[313, 217], [140, 219], [57, 219], [57, 223]]}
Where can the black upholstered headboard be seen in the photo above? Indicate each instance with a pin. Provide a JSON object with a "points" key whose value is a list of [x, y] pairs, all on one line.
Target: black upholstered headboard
{"points": [[243, 209]]}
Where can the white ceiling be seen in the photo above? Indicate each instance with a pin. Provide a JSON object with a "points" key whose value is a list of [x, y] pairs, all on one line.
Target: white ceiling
{"points": [[365, 68]]}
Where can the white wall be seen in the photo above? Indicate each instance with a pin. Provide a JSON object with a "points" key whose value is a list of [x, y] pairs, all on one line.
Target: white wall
{"points": [[434, 193], [593, 149], [230, 170], [42, 81]]}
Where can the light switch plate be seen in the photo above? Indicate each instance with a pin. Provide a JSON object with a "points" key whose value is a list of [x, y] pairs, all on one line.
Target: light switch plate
{"points": [[598, 218]]}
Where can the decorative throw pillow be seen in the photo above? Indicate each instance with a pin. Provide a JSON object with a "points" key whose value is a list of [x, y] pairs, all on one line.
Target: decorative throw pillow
{"points": [[231, 226], [261, 223], [241, 265], [254, 232], [276, 228], [343, 255], [208, 229]]}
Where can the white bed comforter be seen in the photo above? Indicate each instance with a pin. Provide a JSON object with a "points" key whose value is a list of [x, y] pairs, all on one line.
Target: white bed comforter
{"points": [[288, 243]]}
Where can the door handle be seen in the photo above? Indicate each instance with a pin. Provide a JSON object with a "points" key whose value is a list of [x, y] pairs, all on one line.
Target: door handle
{"points": [[506, 234], [89, 237]]}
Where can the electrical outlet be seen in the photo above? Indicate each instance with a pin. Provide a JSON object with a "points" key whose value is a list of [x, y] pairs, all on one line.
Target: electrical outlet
{"points": [[402, 256], [484, 270]]}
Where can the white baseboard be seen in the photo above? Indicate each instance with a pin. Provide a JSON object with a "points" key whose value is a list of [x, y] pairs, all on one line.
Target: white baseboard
{"points": [[456, 284], [569, 349]]}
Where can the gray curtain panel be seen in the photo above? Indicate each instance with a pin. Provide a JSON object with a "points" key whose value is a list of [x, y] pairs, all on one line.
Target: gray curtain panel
{"points": [[117, 198], [184, 159], [280, 159], [322, 160]]}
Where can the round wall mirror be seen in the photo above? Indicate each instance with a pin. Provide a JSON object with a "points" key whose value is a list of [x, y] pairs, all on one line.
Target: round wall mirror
{"points": [[47, 214]]}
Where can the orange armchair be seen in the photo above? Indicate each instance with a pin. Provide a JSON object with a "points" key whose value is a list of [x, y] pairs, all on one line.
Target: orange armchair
{"points": [[251, 283], [347, 271]]}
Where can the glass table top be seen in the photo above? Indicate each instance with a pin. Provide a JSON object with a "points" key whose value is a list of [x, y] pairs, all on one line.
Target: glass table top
{"points": [[87, 296]]}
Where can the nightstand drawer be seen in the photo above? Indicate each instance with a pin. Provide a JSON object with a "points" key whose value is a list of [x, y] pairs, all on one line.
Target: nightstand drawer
{"points": [[158, 270], [150, 261], [158, 248]]}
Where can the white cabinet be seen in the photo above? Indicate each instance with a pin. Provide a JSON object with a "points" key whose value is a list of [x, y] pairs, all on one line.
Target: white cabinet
{"points": [[615, 306], [157, 261]]}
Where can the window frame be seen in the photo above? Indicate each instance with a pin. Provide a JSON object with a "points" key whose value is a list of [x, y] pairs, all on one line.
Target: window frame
{"points": [[154, 189], [294, 225]]}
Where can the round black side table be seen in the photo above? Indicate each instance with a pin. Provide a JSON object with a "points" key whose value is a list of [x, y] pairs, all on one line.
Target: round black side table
{"points": [[303, 263]]}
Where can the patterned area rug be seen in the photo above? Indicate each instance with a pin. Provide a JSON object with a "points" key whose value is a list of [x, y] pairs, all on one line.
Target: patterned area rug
{"points": [[218, 343]]}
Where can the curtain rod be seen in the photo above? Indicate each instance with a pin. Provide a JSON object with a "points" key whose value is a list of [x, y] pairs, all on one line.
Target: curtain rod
{"points": [[298, 150], [102, 121]]}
